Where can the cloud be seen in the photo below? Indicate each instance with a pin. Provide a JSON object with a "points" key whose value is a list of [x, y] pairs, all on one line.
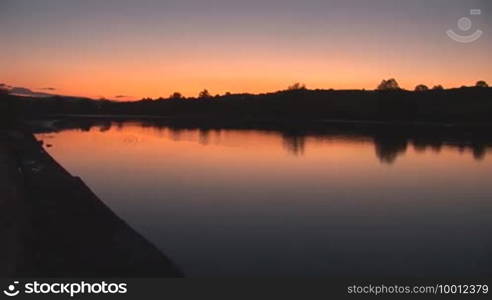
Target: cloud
{"points": [[26, 92], [21, 91], [121, 96]]}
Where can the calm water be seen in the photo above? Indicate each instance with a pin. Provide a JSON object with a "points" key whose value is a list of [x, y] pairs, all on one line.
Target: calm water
{"points": [[245, 202]]}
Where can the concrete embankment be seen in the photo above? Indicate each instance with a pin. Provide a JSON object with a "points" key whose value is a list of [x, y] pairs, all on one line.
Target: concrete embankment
{"points": [[57, 227], [12, 211]]}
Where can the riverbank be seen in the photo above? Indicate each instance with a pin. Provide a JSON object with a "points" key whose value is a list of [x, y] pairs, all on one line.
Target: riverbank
{"points": [[12, 211], [57, 227]]}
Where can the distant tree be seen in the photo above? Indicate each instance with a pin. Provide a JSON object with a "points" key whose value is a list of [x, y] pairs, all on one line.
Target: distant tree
{"points": [[421, 88], [204, 94], [388, 85], [297, 87], [438, 88], [481, 84], [176, 96]]}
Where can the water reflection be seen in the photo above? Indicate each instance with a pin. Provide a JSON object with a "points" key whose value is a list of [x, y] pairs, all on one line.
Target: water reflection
{"points": [[294, 143], [204, 135], [388, 146], [277, 201]]}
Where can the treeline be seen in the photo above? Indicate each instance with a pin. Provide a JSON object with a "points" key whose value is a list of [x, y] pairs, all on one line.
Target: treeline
{"points": [[9, 110], [467, 104]]}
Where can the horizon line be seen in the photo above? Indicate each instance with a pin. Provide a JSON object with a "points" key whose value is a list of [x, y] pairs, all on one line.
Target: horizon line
{"points": [[40, 92]]}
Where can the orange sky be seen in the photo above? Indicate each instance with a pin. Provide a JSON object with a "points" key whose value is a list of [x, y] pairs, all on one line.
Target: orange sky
{"points": [[115, 49], [254, 73]]}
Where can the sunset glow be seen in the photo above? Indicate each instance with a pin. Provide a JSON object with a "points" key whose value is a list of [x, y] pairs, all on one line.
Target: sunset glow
{"points": [[340, 139], [128, 50]]}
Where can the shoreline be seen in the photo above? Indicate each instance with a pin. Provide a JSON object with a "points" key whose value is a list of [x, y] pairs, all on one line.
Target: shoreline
{"points": [[12, 211], [279, 121], [66, 230]]}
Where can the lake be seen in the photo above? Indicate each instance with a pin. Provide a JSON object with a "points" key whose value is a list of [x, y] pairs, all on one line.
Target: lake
{"points": [[269, 203]]}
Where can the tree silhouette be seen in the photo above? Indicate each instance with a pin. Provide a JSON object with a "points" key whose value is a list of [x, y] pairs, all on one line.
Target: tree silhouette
{"points": [[3, 91], [481, 84], [297, 87], [204, 94], [421, 88], [176, 96], [388, 85], [438, 87]]}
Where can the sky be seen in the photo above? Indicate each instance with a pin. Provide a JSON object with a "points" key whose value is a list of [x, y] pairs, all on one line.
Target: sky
{"points": [[122, 49]]}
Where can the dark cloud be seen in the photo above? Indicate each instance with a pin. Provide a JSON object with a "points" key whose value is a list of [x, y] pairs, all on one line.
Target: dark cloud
{"points": [[21, 91], [48, 89], [121, 96]]}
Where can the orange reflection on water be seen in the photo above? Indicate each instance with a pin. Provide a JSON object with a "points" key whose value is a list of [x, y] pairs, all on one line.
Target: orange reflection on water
{"points": [[215, 199], [148, 150]]}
